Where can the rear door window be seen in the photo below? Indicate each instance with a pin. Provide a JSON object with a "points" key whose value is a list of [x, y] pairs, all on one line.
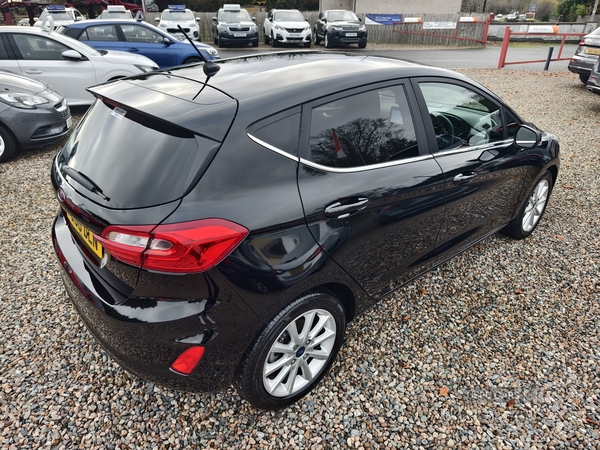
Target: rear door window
{"points": [[363, 129], [137, 161]]}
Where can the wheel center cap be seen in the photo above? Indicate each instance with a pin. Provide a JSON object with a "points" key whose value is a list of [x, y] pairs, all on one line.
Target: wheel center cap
{"points": [[300, 352]]}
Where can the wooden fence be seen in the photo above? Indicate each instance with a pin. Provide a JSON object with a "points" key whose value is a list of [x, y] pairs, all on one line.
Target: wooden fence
{"points": [[383, 34]]}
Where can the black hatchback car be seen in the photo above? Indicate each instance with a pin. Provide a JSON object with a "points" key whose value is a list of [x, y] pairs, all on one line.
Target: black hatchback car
{"points": [[225, 230]]}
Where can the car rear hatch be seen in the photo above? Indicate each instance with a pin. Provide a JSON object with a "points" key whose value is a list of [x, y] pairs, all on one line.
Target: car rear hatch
{"points": [[140, 148]]}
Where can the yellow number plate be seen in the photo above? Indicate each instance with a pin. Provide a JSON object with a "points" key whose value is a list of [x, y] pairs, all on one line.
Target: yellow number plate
{"points": [[87, 236], [592, 51]]}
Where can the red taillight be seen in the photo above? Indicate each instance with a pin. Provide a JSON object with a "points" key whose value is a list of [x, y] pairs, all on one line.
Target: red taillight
{"points": [[186, 247], [188, 360]]}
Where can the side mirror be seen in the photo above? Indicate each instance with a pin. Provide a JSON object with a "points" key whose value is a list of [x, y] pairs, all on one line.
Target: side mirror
{"points": [[214, 19], [253, 18], [71, 55], [324, 19], [197, 19], [78, 19], [36, 19], [526, 137], [157, 19], [167, 41], [359, 19]]}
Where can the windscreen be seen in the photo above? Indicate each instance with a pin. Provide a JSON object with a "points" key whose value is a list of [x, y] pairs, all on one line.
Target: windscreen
{"points": [[289, 16], [234, 16], [177, 15], [134, 160]]}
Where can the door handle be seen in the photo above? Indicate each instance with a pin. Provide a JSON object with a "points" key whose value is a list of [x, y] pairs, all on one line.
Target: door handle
{"points": [[339, 210], [133, 50], [34, 72], [464, 177]]}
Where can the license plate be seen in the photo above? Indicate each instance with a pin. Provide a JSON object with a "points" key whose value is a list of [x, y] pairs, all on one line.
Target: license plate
{"points": [[69, 121], [294, 35], [351, 34], [87, 236], [239, 34], [297, 270], [592, 51]]}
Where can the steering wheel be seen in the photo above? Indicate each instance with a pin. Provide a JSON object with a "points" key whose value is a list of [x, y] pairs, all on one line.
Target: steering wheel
{"points": [[444, 130]]}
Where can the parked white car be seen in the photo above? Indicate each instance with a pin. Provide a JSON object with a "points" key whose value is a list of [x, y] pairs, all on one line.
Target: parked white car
{"points": [[286, 26], [66, 64], [60, 15], [178, 15], [116, 12]]}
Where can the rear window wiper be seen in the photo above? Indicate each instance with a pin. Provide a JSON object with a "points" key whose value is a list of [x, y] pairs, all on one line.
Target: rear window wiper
{"points": [[84, 180]]}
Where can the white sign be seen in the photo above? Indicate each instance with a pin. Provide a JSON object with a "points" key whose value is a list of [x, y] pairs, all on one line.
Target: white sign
{"points": [[439, 25]]}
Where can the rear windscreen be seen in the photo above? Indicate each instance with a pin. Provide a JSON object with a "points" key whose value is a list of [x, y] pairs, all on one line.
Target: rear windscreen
{"points": [[135, 160]]}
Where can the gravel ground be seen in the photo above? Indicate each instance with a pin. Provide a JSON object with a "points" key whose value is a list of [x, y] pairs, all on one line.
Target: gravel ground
{"points": [[499, 348]]}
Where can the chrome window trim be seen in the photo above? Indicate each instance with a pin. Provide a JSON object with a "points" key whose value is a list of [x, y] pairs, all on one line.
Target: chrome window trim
{"points": [[499, 144], [273, 148], [364, 168], [337, 169]]}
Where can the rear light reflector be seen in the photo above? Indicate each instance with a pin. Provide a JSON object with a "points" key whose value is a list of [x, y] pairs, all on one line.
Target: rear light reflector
{"points": [[187, 247], [188, 360]]}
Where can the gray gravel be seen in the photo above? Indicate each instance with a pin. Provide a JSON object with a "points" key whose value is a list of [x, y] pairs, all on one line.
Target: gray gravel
{"points": [[499, 348]]}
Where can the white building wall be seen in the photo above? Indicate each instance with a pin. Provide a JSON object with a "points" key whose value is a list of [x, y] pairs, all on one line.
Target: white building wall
{"points": [[325, 5], [406, 6]]}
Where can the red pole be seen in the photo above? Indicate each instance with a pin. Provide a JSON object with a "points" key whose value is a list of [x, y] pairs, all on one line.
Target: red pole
{"points": [[504, 49], [562, 44], [487, 28]]}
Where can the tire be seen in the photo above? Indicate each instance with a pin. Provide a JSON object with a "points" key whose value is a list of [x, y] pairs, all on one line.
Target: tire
{"points": [[255, 43], [192, 60], [307, 44], [316, 38], [532, 210], [263, 377], [327, 43], [215, 41], [584, 78], [274, 42], [220, 43], [362, 44], [8, 145], [267, 41]]}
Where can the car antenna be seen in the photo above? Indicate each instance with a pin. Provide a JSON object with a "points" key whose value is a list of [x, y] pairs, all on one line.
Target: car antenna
{"points": [[210, 68]]}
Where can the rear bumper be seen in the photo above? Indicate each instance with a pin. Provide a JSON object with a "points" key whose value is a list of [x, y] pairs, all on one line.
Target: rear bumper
{"points": [[145, 335], [582, 65]]}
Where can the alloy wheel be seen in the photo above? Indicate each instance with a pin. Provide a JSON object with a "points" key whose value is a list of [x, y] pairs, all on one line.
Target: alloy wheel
{"points": [[300, 353], [535, 205]]}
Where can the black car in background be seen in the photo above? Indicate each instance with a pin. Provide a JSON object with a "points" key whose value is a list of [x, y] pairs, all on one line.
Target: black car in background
{"points": [[233, 25], [31, 114], [336, 27], [586, 55], [228, 230]]}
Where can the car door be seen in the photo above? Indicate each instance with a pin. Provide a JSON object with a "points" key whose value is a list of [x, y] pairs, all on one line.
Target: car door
{"points": [[145, 41], [268, 24], [102, 37], [484, 171], [40, 57], [319, 25], [368, 181]]}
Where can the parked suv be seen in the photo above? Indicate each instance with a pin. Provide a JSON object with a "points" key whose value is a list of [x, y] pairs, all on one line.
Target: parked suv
{"points": [[176, 15], [233, 25], [286, 26], [60, 15], [234, 217], [586, 55], [340, 27]]}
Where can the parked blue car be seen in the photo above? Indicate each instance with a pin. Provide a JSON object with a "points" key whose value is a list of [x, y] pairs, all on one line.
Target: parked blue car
{"points": [[139, 38]]}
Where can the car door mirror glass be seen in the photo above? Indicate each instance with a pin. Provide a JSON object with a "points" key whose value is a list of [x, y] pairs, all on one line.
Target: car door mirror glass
{"points": [[71, 55], [526, 137]]}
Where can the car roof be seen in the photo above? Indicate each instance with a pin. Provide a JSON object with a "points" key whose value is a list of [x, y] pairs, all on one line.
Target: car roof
{"points": [[305, 73], [316, 72]]}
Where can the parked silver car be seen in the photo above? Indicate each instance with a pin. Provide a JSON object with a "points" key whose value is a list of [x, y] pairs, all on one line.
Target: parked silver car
{"points": [[586, 55], [31, 114]]}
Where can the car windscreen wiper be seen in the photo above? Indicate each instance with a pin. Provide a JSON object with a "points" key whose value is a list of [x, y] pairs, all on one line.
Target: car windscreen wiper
{"points": [[84, 180]]}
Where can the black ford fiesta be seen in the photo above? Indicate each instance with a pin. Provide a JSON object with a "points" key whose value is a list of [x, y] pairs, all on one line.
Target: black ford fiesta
{"points": [[224, 229]]}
